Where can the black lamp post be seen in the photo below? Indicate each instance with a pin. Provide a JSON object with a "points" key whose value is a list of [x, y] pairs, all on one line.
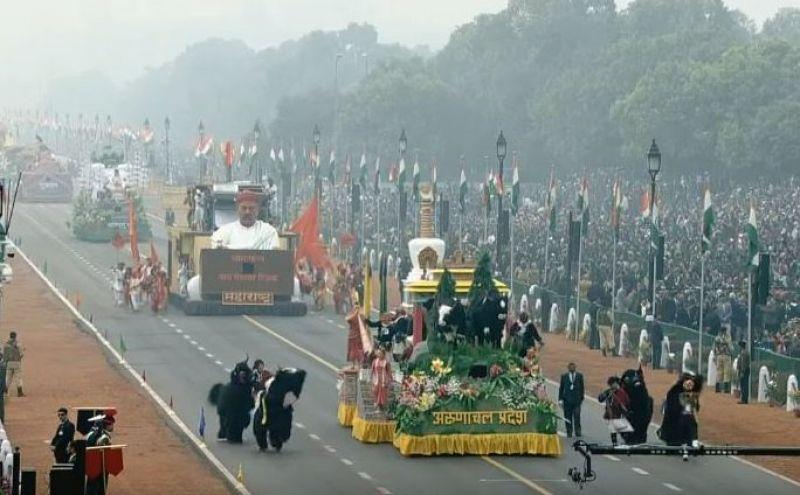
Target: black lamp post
{"points": [[653, 167], [501, 156], [166, 150], [317, 179]]}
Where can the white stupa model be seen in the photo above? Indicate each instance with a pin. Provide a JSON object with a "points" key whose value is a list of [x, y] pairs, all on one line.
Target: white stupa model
{"points": [[426, 251]]}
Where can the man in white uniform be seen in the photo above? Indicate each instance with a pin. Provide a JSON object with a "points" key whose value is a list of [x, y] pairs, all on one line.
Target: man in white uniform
{"points": [[248, 232]]}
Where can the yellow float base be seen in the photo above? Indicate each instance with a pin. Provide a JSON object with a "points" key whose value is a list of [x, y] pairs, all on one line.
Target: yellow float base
{"points": [[480, 444], [346, 414], [373, 431]]}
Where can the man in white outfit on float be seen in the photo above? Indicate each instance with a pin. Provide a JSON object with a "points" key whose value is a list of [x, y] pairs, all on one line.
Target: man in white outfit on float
{"points": [[248, 232]]}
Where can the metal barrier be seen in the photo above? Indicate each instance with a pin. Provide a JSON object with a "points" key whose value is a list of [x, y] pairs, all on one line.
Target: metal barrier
{"points": [[781, 365]]}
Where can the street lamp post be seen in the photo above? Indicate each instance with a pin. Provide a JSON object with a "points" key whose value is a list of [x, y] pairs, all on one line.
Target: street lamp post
{"points": [[168, 164], [403, 146], [501, 156], [317, 179], [654, 167]]}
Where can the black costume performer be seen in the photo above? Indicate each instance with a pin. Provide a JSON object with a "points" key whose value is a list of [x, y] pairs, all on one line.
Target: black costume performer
{"points": [[272, 420], [234, 402]]}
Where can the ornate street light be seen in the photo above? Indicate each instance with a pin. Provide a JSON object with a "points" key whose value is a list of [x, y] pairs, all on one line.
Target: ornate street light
{"points": [[403, 143], [653, 167], [501, 156]]}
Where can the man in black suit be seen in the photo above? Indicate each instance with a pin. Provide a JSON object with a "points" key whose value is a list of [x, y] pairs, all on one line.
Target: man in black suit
{"points": [[64, 435], [570, 397]]}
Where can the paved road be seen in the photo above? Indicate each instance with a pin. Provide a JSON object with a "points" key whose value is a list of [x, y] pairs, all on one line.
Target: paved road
{"points": [[182, 356]]}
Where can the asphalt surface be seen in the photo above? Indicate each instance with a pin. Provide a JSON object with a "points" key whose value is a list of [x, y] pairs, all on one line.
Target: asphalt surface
{"points": [[183, 356]]}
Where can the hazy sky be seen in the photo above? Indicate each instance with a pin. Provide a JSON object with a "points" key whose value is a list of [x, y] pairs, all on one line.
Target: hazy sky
{"points": [[40, 39]]}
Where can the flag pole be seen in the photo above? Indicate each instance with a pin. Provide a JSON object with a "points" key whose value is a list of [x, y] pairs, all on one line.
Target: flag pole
{"points": [[378, 231], [702, 288], [461, 231], [614, 279], [578, 289], [750, 330], [512, 255], [546, 252]]}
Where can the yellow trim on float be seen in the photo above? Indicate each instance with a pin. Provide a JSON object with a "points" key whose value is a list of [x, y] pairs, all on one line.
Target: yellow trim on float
{"points": [[373, 431], [346, 413], [480, 444]]}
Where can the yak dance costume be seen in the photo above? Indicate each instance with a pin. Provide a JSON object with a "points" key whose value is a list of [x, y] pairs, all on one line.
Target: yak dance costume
{"points": [[272, 420], [679, 426]]}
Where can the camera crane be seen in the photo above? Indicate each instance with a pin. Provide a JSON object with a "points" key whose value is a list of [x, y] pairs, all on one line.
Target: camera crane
{"points": [[587, 475]]}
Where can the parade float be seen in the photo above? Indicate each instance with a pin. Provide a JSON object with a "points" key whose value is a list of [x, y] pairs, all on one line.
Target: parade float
{"points": [[107, 202], [207, 281], [459, 391], [45, 177]]}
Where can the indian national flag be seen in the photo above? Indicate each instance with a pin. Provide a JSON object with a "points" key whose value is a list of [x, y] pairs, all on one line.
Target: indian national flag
{"points": [[551, 202], [752, 237], [616, 206], [462, 190], [332, 167], [708, 221], [415, 179], [401, 174], [515, 191], [362, 171], [377, 175], [583, 202], [433, 179], [491, 190]]}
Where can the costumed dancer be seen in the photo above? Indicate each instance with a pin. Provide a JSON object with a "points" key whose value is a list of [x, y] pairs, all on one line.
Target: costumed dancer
{"points": [[616, 401], [136, 280], [640, 407], [234, 402], [525, 335], [401, 331], [679, 426], [272, 420], [118, 284], [381, 379], [384, 327]]}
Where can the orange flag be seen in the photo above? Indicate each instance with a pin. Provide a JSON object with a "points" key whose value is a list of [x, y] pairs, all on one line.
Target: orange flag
{"points": [[307, 229], [153, 253], [133, 232]]}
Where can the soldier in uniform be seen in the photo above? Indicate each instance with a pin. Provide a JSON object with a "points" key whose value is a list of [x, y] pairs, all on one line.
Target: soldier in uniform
{"points": [[722, 360], [99, 436], [12, 354]]}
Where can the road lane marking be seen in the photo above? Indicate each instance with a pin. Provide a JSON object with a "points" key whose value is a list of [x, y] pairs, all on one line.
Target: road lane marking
{"points": [[300, 425], [218, 362], [179, 330], [533, 486], [172, 325], [364, 475], [292, 344], [193, 342], [228, 370], [313, 436], [384, 491], [187, 336], [346, 462], [612, 457], [330, 449], [640, 471], [525, 481], [201, 349], [209, 355], [672, 487]]}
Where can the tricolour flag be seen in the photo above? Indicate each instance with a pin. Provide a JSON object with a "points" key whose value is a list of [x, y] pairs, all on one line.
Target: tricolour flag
{"points": [[491, 190], [462, 190], [401, 174], [515, 190], [752, 238], [377, 178], [204, 145], [708, 221], [433, 179], [616, 206], [332, 167], [362, 171], [415, 179], [583, 202], [644, 204], [551, 202]]}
